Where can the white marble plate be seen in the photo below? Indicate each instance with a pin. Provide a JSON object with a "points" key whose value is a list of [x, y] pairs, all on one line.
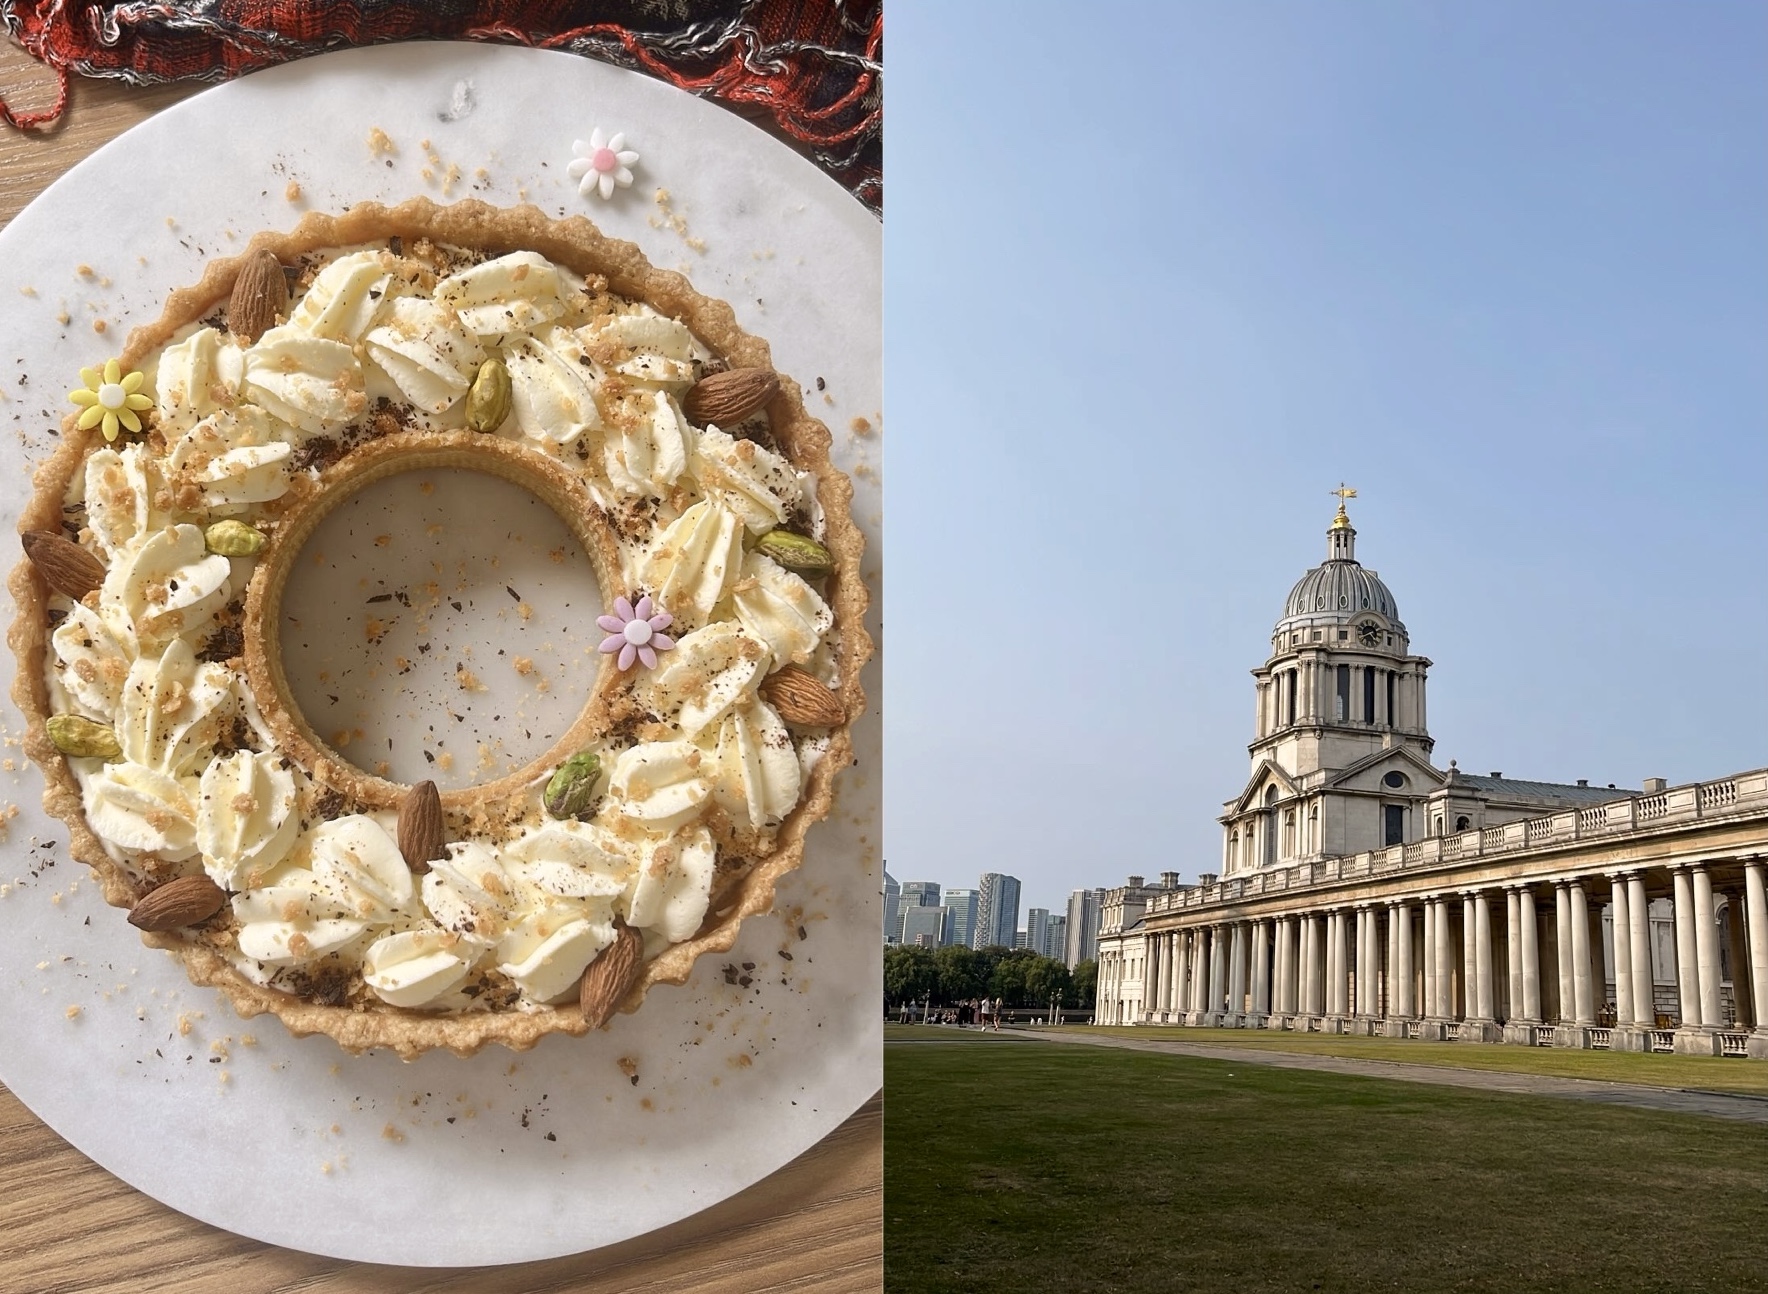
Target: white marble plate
{"points": [[503, 1157]]}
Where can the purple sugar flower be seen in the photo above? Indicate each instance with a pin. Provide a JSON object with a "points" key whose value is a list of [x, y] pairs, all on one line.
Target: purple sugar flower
{"points": [[635, 632]]}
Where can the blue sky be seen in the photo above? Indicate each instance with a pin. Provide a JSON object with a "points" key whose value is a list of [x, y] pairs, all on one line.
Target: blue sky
{"points": [[1158, 279]]}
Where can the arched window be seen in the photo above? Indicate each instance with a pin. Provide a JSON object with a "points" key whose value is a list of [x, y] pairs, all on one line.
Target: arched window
{"points": [[1436, 825], [1463, 823], [1269, 826], [1233, 850], [1313, 842], [1289, 834]]}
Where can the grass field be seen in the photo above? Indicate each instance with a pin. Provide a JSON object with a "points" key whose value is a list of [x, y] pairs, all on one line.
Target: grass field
{"points": [[1708, 1073], [1015, 1166]]}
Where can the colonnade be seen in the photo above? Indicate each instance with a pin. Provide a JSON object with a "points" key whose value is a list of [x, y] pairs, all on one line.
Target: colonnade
{"points": [[1520, 962]]}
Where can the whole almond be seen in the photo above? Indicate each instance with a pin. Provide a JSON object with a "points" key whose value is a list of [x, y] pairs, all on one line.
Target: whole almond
{"points": [[725, 399], [260, 296], [801, 699], [182, 902], [610, 975], [64, 565], [420, 827]]}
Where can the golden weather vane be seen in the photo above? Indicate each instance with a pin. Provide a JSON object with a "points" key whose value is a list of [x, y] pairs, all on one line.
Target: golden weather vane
{"points": [[1343, 492]]}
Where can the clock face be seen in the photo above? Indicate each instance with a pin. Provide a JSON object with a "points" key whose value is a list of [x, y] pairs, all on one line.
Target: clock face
{"points": [[1370, 632]]}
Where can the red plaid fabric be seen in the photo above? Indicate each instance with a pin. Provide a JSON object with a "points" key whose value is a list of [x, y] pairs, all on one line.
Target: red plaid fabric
{"points": [[812, 67]]}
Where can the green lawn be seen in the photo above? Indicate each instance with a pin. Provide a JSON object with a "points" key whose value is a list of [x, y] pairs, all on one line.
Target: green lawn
{"points": [[1709, 1073], [1037, 1166]]}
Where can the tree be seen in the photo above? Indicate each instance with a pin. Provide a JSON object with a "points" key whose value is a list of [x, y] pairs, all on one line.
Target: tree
{"points": [[1084, 984], [1046, 981], [960, 976], [909, 974]]}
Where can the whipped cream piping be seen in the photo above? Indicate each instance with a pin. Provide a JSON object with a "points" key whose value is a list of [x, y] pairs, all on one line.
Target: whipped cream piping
{"points": [[197, 779]]}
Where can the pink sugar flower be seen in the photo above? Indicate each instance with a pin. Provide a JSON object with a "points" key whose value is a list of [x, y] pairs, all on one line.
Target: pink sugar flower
{"points": [[635, 632], [601, 163]]}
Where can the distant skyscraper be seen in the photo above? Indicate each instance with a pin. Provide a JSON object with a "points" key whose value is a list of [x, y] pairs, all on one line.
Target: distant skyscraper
{"points": [[1083, 927], [997, 911], [925, 925], [892, 909], [915, 894], [963, 905], [1037, 930], [1058, 940]]}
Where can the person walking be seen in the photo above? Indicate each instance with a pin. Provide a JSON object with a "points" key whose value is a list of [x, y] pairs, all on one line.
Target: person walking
{"points": [[998, 1007]]}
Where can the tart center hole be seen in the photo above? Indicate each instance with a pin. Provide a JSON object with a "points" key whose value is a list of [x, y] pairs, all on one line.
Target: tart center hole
{"points": [[441, 625]]}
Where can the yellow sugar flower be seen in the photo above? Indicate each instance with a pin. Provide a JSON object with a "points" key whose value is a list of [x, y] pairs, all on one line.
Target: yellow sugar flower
{"points": [[112, 399]]}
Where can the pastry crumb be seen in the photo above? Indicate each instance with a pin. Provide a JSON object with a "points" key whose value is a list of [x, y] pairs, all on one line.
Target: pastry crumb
{"points": [[27, 291], [861, 427], [524, 666], [73, 1012], [380, 142], [390, 1133], [99, 326], [469, 681], [293, 192]]}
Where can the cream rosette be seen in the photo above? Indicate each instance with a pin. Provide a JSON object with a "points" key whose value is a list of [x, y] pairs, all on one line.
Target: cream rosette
{"points": [[168, 586], [245, 817], [540, 910], [308, 382], [355, 883]]}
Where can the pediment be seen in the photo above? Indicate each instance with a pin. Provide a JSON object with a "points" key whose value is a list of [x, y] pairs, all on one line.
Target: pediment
{"points": [[1367, 773], [1267, 774]]}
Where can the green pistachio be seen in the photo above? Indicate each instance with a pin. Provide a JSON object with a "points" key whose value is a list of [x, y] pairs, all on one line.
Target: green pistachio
{"points": [[83, 738], [796, 553], [234, 539], [488, 399], [570, 791]]}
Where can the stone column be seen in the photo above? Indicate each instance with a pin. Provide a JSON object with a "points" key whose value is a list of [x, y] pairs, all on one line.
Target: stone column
{"points": [[1277, 928], [1341, 950], [1333, 970], [1531, 957], [1482, 961], [1639, 950], [1583, 997], [1617, 898], [1743, 1001], [1562, 920], [1391, 1008], [1513, 951], [1218, 973], [1755, 888], [1237, 975], [1706, 945], [1194, 986], [1428, 1007], [1261, 969], [1315, 966], [1405, 1005], [1687, 955], [1469, 960], [1304, 965], [1291, 966], [1366, 1001], [1445, 962]]}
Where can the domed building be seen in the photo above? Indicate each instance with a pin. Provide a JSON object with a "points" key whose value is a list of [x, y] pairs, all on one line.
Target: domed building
{"points": [[1341, 754], [1364, 890]]}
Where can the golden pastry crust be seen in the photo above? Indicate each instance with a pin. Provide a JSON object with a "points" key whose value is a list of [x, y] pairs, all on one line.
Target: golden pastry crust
{"points": [[365, 1022]]}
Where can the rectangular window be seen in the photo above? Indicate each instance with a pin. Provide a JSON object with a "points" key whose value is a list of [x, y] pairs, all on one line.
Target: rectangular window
{"points": [[1391, 721], [1393, 826], [1343, 708], [1290, 688], [1368, 695]]}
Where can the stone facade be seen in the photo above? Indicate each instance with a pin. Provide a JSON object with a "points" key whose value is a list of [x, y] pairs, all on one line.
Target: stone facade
{"points": [[1364, 891]]}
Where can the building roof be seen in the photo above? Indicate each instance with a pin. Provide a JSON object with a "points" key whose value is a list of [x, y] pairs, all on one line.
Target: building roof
{"points": [[1511, 788]]}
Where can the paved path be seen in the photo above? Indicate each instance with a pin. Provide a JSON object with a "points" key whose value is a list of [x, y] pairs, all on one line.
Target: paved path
{"points": [[1677, 1100]]}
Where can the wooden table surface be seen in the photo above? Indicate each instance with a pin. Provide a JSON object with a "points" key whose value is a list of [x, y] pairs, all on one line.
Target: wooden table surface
{"points": [[67, 1225]]}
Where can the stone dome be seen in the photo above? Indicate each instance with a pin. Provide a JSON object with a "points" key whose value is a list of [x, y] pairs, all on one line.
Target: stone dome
{"points": [[1340, 590]]}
